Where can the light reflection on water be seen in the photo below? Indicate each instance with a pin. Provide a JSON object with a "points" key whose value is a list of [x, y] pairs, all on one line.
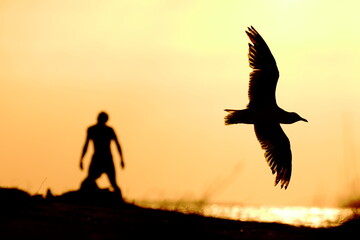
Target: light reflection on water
{"points": [[298, 216]]}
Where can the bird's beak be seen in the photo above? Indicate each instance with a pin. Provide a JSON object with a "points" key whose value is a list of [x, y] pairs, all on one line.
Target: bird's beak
{"points": [[303, 119]]}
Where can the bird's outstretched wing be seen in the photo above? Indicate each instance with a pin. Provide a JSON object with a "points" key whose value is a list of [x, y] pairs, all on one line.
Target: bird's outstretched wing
{"points": [[277, 151], [265, 74]]}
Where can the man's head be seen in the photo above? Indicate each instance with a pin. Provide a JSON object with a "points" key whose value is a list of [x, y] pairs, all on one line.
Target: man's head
{"points": [[103, 117]]}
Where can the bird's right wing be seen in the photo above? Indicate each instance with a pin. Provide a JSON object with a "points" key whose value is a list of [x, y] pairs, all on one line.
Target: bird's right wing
{"points": [[265, 74], [277, 151]]}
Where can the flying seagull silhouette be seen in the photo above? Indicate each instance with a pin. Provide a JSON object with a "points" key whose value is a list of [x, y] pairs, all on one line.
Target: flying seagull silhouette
{"points": [[263, 111]]}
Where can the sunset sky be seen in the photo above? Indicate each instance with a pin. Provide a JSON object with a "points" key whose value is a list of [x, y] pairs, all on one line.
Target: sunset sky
{"points": [[165, 71]]}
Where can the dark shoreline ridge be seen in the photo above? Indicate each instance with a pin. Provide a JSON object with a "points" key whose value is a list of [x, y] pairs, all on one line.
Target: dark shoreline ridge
{"points": [[103, 215]]}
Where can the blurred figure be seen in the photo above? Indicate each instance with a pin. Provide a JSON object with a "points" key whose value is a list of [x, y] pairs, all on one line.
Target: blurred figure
{"points": [[102, 161]]}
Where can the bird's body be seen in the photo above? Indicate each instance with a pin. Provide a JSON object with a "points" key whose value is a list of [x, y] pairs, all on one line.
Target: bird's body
{"points": [[263, 111], [253, 116]]}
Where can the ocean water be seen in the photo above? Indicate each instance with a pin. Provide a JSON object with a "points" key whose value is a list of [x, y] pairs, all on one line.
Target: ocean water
{"points": [[315, 217]]}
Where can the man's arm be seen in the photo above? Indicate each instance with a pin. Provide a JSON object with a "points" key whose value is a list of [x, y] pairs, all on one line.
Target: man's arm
{"points": [[84, 150], [119, 150]]}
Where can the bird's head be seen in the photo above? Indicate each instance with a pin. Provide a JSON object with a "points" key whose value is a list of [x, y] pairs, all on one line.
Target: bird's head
{"points": [[293, 117]]}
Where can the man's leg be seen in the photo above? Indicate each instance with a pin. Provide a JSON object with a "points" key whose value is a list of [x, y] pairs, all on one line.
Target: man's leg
{"points": [[112, 178], [89, 183]]}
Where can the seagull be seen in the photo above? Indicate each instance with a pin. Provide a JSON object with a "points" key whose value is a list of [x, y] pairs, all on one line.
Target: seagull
{"points": [[263, 112]]}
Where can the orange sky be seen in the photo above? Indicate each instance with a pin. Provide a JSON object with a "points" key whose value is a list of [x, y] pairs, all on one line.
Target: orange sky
{"points": [[164, 71]]}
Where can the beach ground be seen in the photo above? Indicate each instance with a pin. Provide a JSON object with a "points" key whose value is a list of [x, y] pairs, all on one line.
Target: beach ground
{"points": [[73, 215]]}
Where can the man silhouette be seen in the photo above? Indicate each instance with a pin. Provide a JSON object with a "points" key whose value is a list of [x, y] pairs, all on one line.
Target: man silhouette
{"points": [[102, 161]]}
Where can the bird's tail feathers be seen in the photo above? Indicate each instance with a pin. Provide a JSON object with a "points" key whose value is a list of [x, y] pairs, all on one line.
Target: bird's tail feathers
{"points": [[237, 116], [229, 119]]}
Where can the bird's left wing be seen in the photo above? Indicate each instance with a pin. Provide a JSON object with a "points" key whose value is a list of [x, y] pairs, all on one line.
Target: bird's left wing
{"points": [[265, 74], [277, 151]]}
